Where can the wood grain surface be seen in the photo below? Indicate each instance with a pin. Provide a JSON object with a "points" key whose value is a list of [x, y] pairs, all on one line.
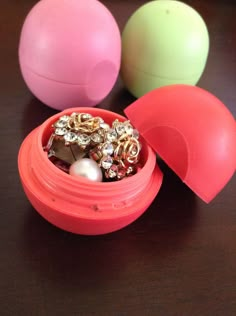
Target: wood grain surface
{"points": [[178, 259]]}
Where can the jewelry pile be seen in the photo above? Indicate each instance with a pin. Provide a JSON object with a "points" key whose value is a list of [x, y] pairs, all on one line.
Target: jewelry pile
{"points": [[78, 140]]}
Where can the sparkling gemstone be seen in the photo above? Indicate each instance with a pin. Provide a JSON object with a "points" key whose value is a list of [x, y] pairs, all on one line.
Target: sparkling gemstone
{"points": [[111, 135], [65, 118], [70, 137], [120, 129], [101, 132], [86, 116], [106, 162], [104, 126], [60, 131], [62, 122], [112, 172], [96, 138], [83, 139], [107, 149], [128, 128]]}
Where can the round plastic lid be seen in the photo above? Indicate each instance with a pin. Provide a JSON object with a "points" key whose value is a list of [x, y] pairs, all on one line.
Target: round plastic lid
{"points": [[192, 131]]}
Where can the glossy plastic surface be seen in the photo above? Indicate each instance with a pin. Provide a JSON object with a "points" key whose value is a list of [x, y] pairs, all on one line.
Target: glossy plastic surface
{"points": [[77, 204], [70, 52], [193, 132], [164, 42]]}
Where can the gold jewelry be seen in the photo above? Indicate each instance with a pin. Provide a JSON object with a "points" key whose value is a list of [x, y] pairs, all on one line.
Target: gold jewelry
{"points": [[115, 148]]}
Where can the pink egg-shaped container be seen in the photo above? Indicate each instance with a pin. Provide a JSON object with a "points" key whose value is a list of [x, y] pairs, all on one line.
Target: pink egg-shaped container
{"points": [[69, 52], [76, 204]]}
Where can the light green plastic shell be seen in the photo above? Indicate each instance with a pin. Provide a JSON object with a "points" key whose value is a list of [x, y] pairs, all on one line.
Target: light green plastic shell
{"points": [[164, 42]]}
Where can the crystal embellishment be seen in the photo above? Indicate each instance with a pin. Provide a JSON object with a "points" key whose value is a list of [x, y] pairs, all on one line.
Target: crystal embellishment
{"points": [[111, 135], [112, 172], [86, 116], [83, 139], [96, 138], [70, 137], [107, 149], [120, 129], [60, 131], [62, 122], [105, 126], [128, 128], [106, 162]]}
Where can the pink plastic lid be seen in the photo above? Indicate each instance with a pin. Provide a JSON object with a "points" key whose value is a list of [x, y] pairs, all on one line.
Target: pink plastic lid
{"points": [[192, 131]]}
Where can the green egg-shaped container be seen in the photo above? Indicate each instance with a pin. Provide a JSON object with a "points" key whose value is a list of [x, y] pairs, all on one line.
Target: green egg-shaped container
{"points": [[164, 42]]}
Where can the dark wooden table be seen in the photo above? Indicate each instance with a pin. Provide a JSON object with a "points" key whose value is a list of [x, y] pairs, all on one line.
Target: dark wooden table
{"points": [[179, 258]]}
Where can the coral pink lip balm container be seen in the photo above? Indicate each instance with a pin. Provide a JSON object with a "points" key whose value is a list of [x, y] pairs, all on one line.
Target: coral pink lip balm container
{"points": [[77, 204], [188, 127]]}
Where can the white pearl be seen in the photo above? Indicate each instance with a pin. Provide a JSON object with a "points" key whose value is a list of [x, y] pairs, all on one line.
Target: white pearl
{"points": [[87, 168]]}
